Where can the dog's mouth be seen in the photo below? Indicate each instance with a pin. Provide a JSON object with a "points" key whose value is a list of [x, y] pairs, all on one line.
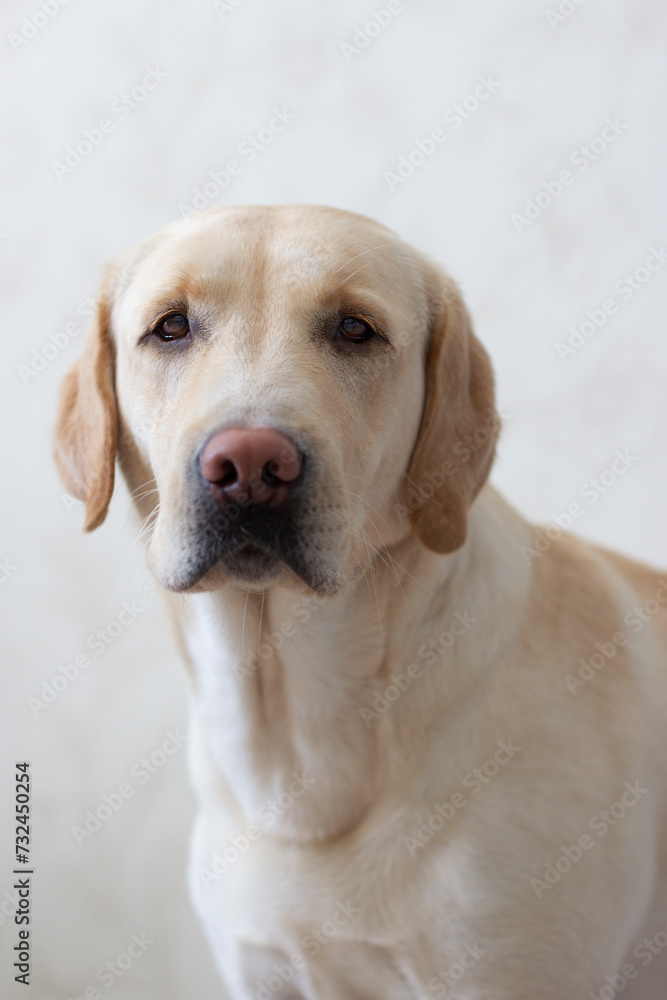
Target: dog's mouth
{"points": [[257, 546], [253, 563]]}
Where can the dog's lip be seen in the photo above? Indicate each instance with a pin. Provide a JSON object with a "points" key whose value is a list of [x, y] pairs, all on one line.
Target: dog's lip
{"points": [[250, 543], [252, 547], [275, 561]]}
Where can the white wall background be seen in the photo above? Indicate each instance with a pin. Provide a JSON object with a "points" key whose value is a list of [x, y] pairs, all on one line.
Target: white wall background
{"points": [[226, 71]]}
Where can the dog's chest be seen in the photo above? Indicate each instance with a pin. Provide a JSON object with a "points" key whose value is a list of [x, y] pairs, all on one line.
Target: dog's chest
{"points": [[278, 711], [270, 905]]}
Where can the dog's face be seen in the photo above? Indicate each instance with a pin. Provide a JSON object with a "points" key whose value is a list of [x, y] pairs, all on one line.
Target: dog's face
{"points": [[281, 384]]}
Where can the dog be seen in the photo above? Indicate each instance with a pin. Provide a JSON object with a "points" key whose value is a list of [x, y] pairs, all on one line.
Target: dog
{"points": [[428, 740]]}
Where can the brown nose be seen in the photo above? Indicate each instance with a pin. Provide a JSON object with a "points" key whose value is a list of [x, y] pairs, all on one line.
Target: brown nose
{"points": [[251, 464]]}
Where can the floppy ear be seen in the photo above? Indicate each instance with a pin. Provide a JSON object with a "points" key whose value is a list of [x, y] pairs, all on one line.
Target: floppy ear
{"points": [[86, 423], [459, 428]]}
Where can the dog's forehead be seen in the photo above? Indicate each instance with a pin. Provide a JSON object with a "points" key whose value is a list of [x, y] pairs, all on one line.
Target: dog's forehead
{"points": [[253, 254]]}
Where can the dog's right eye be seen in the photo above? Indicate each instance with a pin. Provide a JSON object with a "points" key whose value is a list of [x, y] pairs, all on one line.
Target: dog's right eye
{"points": [[172, 327], [355, 330]]}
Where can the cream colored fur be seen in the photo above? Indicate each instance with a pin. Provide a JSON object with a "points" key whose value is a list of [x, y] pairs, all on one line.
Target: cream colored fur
{"points": [[397, 774]]}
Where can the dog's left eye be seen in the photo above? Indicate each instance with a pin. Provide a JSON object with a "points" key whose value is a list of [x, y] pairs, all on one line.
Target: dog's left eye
{"points": [[173, 327], [355, 330]]}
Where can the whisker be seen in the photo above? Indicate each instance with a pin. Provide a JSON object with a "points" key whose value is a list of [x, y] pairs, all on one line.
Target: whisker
{"points": [[394, 561], [142, 486], [363, 253]]}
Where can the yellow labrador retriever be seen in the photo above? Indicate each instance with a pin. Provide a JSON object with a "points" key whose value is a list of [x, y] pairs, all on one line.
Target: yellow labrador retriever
{"points": [[429, 740]]}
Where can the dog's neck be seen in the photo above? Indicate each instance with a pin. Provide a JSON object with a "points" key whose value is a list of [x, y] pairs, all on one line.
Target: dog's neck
{"points": [[300, 701]]}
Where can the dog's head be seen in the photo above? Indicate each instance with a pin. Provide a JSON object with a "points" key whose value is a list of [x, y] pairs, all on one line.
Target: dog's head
{"points": [[287, 389]]}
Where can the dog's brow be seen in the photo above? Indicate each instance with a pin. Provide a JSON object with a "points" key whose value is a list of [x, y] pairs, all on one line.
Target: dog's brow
{"points": [[363, 252], [356, 271]]}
